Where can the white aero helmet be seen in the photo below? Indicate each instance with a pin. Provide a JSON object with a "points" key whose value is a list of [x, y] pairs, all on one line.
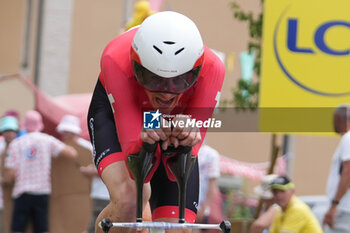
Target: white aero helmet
{"points": [[167, 53]]}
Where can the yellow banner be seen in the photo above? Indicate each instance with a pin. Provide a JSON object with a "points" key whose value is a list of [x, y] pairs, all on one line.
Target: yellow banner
{"points": [[305, 64]]}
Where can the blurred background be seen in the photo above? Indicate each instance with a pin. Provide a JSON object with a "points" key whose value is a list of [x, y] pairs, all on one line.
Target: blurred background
{"points": [[56, 46]]}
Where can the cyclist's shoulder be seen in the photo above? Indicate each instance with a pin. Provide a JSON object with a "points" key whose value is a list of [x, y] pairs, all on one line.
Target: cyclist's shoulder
{"points": [[212, 63], [115, 60], [120, 44], [210, 56]]}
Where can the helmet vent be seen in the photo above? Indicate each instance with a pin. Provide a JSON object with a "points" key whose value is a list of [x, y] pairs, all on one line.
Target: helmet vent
{"points": [[179, 51], [168, 42], [158, 50]]}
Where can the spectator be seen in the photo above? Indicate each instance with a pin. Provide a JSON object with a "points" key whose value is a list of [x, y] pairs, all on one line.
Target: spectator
{"points": [[8, 129], [15, 114], [264, 221], [99, 194], [29, 165], [12, 113], [209, 171], [337, 217], [294, 216], [69, 185]]}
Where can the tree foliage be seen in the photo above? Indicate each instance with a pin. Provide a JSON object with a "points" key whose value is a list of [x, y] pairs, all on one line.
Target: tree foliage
{"points": [[246, 94]]}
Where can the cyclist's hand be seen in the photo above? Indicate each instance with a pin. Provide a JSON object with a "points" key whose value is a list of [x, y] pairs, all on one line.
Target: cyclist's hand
{"points": [[184, 134], [170, 141], [166, 127], [152, 136]]}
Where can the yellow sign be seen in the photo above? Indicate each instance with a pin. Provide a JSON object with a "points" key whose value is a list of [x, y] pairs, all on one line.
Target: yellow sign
{"points": [[305, 64]]}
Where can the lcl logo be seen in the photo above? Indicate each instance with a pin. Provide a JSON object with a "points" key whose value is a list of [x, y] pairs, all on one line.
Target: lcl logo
{"points": [[294, 45], [319, 38]]}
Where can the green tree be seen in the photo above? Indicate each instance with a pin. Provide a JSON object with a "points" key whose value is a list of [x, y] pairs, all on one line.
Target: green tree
{"points": [[246, 94]]}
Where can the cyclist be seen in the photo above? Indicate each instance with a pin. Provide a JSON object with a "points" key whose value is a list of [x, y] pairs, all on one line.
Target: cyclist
{"points": [[161, 65]]}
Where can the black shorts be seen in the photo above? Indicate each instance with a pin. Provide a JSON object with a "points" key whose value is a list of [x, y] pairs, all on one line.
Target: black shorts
{"points": [[34, 207], [164, 197]]}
